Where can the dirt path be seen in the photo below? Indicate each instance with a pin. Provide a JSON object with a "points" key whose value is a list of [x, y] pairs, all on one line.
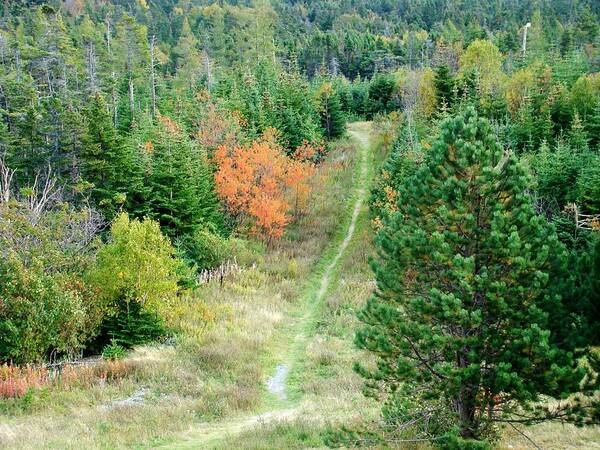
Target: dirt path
{"points": [[211, 433]]}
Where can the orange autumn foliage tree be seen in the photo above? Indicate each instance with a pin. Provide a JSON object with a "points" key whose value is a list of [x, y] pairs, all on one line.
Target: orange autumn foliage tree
{"points": [[260, 182]]}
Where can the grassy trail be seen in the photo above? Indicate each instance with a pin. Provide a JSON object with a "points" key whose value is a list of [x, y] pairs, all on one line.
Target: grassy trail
{"points": [[282, 401]]}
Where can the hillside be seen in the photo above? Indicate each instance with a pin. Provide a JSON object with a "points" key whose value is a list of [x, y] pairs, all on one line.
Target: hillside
{"points": [[282, 224]]}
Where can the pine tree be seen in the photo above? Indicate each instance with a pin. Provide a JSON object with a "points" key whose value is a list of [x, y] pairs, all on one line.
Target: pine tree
{"points": [[460, 323]]}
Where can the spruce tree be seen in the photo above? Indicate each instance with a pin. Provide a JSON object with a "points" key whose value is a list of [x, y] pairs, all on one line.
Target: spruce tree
{"points": [[461, 319], [593, 127], [588, 186], [578, 137], [292, 110], [382, 94]]}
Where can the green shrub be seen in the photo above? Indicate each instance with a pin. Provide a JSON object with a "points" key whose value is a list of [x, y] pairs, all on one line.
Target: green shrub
{"points": [[40, 313]]}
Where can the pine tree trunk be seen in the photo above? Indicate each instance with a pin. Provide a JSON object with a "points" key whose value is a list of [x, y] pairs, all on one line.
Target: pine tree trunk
{"points": [[465, 403]]}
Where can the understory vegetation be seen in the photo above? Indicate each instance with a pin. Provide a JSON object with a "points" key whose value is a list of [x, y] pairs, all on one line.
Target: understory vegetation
{"points": [[272, 224]]}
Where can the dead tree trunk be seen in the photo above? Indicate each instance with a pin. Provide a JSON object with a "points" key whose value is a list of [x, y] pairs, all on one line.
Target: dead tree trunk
{"points": [[91, 69], [131, 98], [153, 74]]}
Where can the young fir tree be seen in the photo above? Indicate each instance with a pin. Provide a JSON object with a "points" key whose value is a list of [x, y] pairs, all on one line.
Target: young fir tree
{"points": [[460, 323], [582, 288], [402, 162], [292, 110], [588, 186], [578, 137], [593, 127]]}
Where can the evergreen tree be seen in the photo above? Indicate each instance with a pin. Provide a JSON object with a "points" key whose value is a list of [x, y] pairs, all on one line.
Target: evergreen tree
{"points": [[444, 87], [588, 186], [189, 63], [460, 323], [333, 121], [110, 168], [583, 291], [382, 94], [578, 137], [561, 110], [182, 197], [593, 127], [293, 111], [400, 164], [360, 98]]}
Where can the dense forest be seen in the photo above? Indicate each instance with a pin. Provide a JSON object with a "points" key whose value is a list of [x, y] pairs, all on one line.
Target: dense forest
{"points": [[146, 146]]}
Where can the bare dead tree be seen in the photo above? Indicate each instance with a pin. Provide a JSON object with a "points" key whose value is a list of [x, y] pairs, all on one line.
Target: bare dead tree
{"points": [[153, 73], [410, 95], [75, 233], [221, 272], [524, 46], [91, 68], [81, 230], [131, 97], [113, 74], [334, 66], [42, 193], [207, 69], [3, 49], [6, 176]]}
